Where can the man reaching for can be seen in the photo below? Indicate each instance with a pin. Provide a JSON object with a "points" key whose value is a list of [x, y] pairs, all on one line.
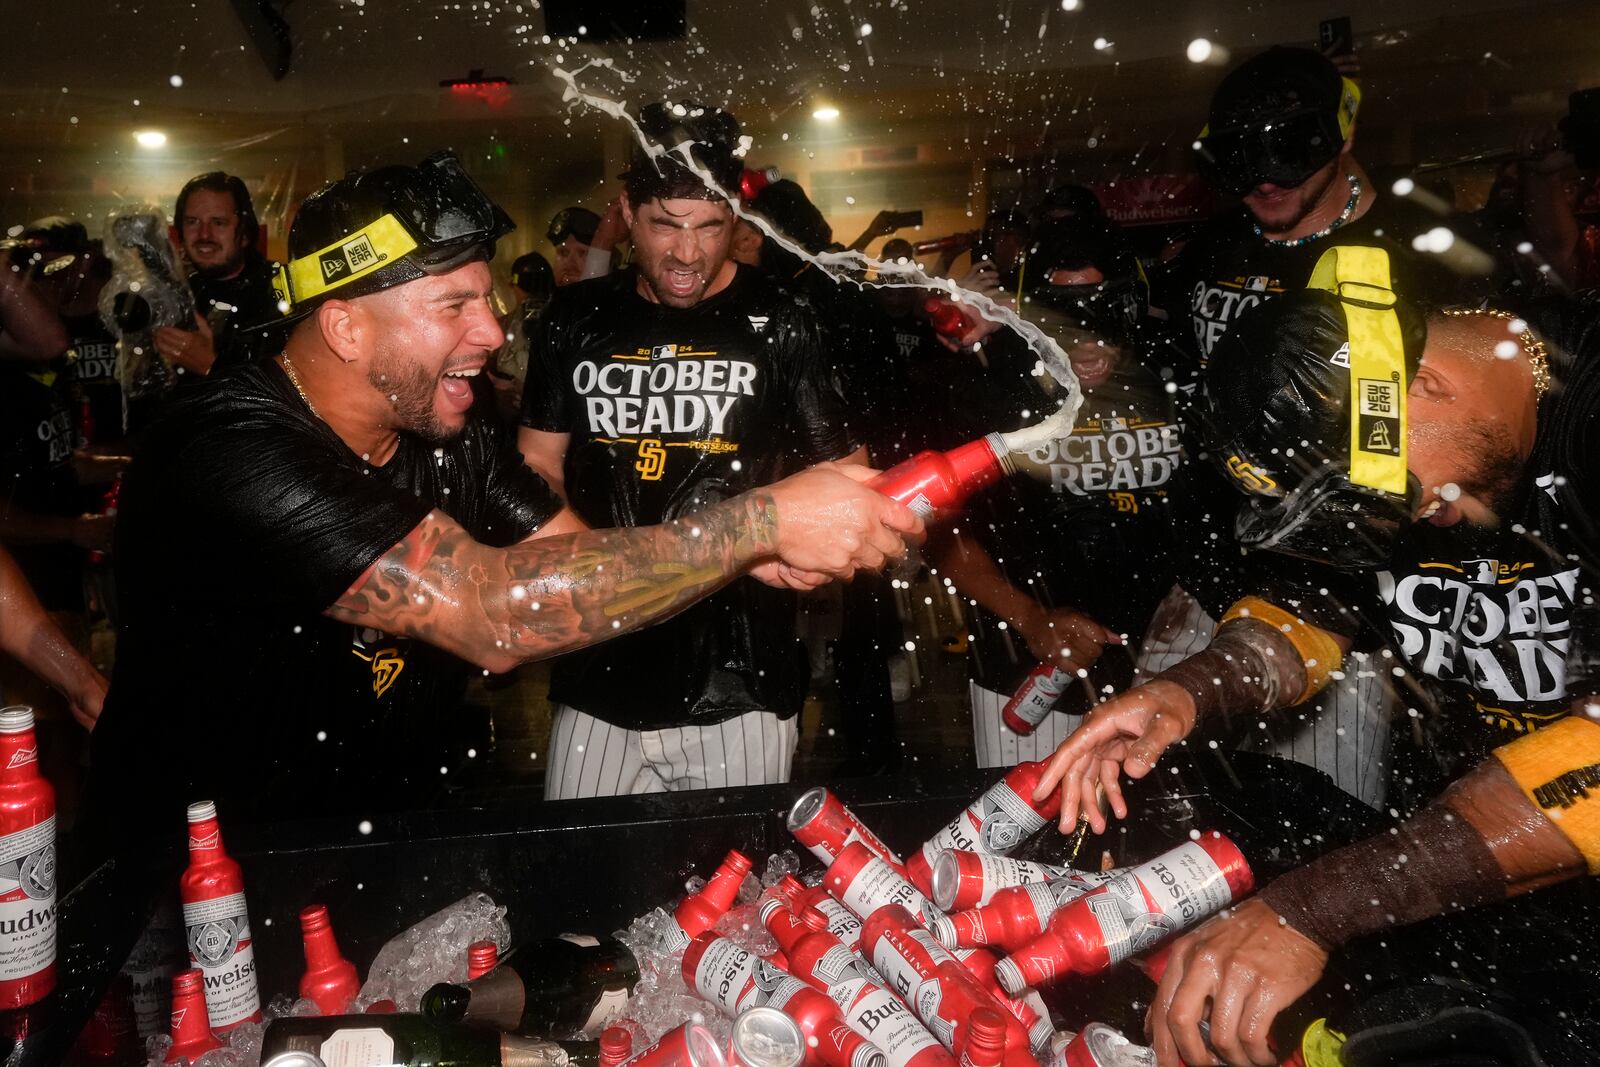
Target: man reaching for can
{"points": [[1449, 476]]}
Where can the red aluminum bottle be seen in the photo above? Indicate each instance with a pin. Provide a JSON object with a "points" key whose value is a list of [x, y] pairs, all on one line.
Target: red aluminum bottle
{"points": [[998, 822], [963, 879], [821, 822], [699, 912], [954, 242], [842, 922], [217, 925], [986, 1039], [931, 482], [1028, 1008], [330, 979], [1099, 1045], [108, 506], [864, 883], [689, 1045], [1035, 698], [482, 957], [829, 1041], [941, 991], [111, 1037], [616, 1046], [947, 318], [766, 1037], [752, 181], [728, 975], [1134, 911], [27, 866], [191, 1026], [792, 889], [1015, 916]]}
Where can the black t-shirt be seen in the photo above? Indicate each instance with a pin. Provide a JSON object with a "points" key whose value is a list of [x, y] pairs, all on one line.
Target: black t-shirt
{"points": [[37, 436], [94, 377], [242, 519], [671, 410], [234, 306]]}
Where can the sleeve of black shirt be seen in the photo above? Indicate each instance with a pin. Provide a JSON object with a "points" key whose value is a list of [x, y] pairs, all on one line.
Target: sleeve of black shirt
{"points": [[546, 398], [816, 405], [518, 501]]}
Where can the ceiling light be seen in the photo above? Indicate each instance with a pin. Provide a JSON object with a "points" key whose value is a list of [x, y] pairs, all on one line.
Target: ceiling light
{"points": [[1199, 50], [150, 138], [825, 114]]}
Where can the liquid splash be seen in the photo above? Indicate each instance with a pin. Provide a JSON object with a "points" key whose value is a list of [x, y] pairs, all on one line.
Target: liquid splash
{"points": [[852, 268]]}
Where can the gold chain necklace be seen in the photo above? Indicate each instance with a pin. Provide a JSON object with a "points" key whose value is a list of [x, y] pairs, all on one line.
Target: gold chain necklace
{"points": [[294, 380], [1532, 347]]}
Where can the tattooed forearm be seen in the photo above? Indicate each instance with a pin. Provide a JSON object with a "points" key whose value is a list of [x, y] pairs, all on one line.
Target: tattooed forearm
{"points": [[501, 607]]}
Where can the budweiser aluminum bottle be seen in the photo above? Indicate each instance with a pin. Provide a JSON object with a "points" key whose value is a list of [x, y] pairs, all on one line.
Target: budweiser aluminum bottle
{"points": [[1015, 916], [1132, 912], [1098, 1045], [616, 1047], [699, 912], [1035, 698], [330, 979], [998, 822], [1027, 1007], [821, 822], [947, 318], [191, 1026], [963, 879], [216, 925], [864, 883], [766, 1037], [689, 1045], [110, 1037], [27, 866], [752, 181], [482, 957], [842, 922], [986, 1039], [941, 991], [929, 482]]}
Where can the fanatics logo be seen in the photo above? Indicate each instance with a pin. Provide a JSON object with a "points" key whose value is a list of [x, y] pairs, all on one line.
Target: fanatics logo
{"points": [[757, 322]]}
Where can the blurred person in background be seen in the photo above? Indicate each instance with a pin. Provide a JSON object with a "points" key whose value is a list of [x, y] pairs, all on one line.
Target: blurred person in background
{"points": [[585, 243]]}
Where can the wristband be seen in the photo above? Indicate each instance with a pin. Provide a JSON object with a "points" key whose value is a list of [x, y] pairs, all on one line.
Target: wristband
{"points": [[1558, 768], [1319, 652]]}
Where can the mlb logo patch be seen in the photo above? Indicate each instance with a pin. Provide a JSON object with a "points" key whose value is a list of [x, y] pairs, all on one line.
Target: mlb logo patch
{"points": [[663, 352], [1482, 571]]}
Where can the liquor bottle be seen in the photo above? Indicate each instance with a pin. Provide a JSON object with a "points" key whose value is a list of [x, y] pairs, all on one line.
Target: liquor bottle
{"points": [[482, 957], [330, 979], [1035, 698], [1015, 916], [963, 879], [191, 1025], [699, 911], [551, 988], [27, 866], [401, 1040], [1133, 912], [930, 482], [217, 925], [1003, 817], [820, 821], [156, 957], [986, 1039]]}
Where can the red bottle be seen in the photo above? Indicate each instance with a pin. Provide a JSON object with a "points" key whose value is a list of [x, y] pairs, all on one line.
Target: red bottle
{"points": [[1028, 1008], [829, 1042], [954, 242], [962, 879], [616, 1045], [728, 975], [1015, 916], [330, 979], [766, 1037], [986, 1039], [27, 866], [482, 957], [1133, 912], [108, 506], [699, 912], [821, 822], [751, 182], [864, 883], [1035, 698], [110, 1038], [842, 922], [1099, 1045], [998, 822], [689, 1045], [947, 318], [941, 481], [217, 924], [792, 889], [191, 1026]]}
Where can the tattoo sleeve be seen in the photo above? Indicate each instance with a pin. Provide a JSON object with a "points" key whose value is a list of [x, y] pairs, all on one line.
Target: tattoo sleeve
{"points": [[500, 607], [1248, 668]]}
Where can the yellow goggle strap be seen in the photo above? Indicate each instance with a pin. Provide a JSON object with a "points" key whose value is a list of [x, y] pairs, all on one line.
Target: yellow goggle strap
{"points": [[1359, 276], [355, 256]]}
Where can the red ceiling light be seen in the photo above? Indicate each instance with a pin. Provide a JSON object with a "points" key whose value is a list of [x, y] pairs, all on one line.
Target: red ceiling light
{"points": [[494, 91]]}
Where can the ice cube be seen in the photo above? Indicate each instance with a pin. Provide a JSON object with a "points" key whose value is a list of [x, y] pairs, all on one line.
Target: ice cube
{"points": [[778, 865], [433, 951]]}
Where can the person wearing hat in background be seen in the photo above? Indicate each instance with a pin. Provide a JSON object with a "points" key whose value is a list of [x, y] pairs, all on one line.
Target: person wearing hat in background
{"points": [[1447, 465], [316, 550], [584, 242]]}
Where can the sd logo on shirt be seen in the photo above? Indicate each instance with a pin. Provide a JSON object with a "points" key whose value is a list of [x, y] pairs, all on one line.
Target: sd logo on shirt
{"points": [[652, 462]]}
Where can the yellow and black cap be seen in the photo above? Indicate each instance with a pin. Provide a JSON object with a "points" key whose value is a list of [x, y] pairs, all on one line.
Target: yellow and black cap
{"points": [[1308, 418], [376, 229]]}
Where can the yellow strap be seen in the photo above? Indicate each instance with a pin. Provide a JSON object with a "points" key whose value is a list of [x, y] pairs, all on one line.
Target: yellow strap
{"points": [[354, 256], [1349, 104], [1359, 276], [1558, 769], [1319, 652]]}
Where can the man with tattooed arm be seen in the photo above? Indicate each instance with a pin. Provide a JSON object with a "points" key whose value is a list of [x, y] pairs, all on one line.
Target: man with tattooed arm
{"points": [[314, 551]]}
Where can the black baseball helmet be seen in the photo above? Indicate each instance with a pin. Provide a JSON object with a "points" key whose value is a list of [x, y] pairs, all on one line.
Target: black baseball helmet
{"points": [[373, 230], [1112, 308], [577, 222]]}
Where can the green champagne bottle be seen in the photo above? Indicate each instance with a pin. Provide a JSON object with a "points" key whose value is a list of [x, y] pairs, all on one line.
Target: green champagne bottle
{"points": [[410, 1041], [561, 987]]}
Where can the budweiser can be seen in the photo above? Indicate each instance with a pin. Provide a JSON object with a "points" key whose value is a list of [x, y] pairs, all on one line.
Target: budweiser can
{"points": [[616, 1046], [1134, 911], [27, 866], [962, 879], [217, 925], [824, 825], [1038, 694], [999, 821], [1098, 1045], [842, 922], [733, 978], [766, 1037], [689, 1045], [1015, 916], [864, 883]]}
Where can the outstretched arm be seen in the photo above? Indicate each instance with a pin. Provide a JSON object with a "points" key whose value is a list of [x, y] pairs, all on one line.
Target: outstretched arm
{"points": [[28, 634]]}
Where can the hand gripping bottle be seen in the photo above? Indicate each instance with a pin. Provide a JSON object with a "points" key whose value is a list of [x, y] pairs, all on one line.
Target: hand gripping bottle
{"points": [[689, 1045], [947, 318], [1035, 698], [27, 866], [986, 1040], [482, 957], [752, 181], [1133, 912], [824, 825], [766, 1037], [998, 822], [930, 482], [699, 912], [191, 1027], [1015, 916], [616, 1046], [330, 979], [864, 883], [216, 925], [963, 879]]}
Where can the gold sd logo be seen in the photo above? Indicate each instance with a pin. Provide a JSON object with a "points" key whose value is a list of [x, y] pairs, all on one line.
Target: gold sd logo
{"points": [[387, 663], [1125, 502], [1250, 476], [652, 460]]}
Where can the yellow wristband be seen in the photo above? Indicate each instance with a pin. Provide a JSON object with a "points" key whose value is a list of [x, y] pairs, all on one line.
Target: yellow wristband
{"points": [[1558, 768], [1319, 652]]}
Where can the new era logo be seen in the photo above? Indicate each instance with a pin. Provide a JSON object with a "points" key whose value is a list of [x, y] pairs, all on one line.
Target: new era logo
{"points": [[352, 257]]}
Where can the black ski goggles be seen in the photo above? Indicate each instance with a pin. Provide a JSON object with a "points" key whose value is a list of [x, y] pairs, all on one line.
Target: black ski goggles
{"points": [[1284, 152], [1110, 309]]}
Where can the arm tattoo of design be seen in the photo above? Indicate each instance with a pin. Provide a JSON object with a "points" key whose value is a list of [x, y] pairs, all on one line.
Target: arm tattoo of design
{"points": [[498, 607]]}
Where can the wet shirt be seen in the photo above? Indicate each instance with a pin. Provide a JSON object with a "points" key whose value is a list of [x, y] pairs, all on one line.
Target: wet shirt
{"points": [[37, 437], [243, 518], [232, 306], [94, 377], [671, 410]]}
